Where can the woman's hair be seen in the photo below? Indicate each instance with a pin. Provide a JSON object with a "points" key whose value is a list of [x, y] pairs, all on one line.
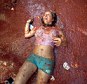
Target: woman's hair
{"points": [[54, 16]]}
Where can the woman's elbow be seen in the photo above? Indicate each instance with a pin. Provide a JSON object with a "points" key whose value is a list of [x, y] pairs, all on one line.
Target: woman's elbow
{"points": [[26, 36]]}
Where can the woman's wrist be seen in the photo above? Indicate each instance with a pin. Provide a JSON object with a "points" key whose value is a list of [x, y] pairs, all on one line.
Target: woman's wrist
{"points": [[27, 25]]}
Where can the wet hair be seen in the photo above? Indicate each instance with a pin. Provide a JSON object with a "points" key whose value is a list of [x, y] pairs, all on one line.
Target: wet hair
{"points": [[54, 17]]}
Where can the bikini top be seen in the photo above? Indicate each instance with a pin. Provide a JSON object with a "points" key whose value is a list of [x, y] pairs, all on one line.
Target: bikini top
{"points": [[44, 38]]}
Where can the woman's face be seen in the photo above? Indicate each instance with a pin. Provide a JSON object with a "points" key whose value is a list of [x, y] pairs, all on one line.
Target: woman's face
{"points": [[47, 18]]}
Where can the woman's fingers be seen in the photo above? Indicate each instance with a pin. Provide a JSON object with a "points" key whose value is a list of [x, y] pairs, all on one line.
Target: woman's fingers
{"points": [[56, 38], [35, 28], [57, 41], [30, 20]]}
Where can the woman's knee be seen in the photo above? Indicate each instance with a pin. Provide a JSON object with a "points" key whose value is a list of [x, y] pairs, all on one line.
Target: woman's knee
{"points": [[42, 77]]}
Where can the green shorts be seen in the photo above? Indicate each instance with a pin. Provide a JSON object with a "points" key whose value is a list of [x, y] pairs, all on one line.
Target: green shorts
{"points": [[44, 64]]}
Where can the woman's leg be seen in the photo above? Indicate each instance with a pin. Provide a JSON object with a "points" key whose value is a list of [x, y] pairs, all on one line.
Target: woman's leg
{"points": [[42, 77], [25, 72]]}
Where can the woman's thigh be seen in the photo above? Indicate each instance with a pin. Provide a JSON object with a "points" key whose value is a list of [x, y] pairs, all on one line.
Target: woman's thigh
{"points": [[42, 77], [25, 72]]}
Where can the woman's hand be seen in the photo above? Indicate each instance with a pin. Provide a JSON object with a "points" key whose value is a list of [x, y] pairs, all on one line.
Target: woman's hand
{"points": [[57, 41], [30, 20]]}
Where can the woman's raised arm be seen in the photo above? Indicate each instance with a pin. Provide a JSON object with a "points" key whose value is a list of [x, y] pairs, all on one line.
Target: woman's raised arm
{"points": [[28, 32]]}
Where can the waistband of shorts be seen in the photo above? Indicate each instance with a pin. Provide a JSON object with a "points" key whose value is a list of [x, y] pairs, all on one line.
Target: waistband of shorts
{"points": [[41, 57]]}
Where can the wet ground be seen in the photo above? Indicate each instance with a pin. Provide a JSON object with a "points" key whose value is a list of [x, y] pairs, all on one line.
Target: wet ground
{"points": [[14, 48]]}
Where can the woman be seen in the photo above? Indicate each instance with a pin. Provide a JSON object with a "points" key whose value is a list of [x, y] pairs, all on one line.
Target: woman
{"points": [[47, 36]]}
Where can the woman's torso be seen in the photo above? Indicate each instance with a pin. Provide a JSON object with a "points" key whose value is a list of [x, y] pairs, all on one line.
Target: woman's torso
{"points": [[44, 42]]}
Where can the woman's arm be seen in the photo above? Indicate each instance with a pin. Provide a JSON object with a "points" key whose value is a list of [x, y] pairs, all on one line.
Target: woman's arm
{"points": [[29, 33]]}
